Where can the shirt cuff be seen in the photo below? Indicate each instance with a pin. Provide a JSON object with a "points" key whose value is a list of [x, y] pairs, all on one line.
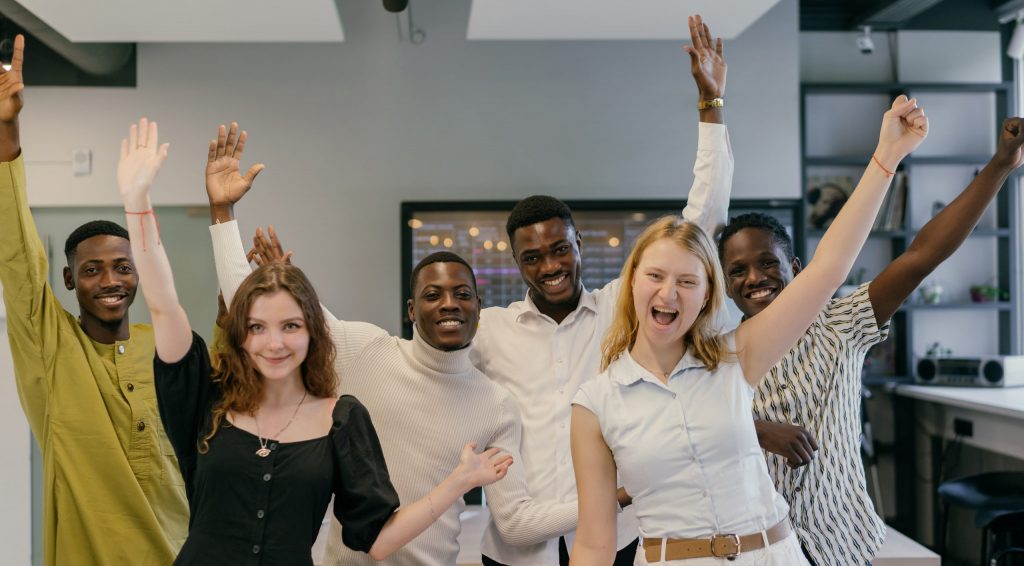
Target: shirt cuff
{"points": [[712, 137]]}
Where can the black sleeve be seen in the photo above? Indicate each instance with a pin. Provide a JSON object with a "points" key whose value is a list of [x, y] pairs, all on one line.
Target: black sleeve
{"points": [[185, 397], [364, 498]]}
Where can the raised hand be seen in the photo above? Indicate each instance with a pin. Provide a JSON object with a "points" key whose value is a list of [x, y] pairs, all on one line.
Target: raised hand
{"points": [[141, 159], [267, 250], [225, 185], [484, 468], [11, 85], [1011, 137], [904, 127], [706, 62]]}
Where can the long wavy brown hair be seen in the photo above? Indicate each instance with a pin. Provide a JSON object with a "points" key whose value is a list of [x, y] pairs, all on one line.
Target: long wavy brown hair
{"points": [[240, 383], [702, 338]]}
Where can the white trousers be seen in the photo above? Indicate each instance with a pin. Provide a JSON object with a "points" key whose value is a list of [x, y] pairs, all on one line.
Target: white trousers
{"points": [[786, 552]]}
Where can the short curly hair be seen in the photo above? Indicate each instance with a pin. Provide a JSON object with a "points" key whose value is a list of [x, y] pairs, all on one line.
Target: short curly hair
{"points": [[763, 222], [88, 230], [438, 257], [534, 209]]}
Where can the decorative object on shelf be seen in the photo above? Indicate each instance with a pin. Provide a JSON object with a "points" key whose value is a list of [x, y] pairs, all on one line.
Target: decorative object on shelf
{"points": [[984, 293], [825, 197], [930, 293], [937, 350]]}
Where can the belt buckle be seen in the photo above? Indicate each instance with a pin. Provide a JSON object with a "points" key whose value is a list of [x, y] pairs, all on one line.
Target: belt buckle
{"points": [[730, 546]]}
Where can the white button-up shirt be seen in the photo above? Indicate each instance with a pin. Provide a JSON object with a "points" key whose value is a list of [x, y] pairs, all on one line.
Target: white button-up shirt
{"points": [[543, 363], [687, 450]]}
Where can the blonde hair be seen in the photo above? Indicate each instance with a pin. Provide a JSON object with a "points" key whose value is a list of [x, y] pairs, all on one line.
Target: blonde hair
{"points": [[707, 345]]}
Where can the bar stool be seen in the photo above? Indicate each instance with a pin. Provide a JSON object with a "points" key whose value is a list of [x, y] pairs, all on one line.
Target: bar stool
{"points": [[996, 497]]}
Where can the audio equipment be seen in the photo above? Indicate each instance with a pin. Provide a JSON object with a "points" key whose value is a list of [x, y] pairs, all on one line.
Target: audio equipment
{"points": [[971, 371]]}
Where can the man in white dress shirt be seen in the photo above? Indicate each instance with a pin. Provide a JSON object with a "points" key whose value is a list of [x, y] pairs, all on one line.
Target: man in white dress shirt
{"points": [[544, 347]]}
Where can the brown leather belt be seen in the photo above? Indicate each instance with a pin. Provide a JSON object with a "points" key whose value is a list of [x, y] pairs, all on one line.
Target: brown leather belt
{"points": [[719, 546]]}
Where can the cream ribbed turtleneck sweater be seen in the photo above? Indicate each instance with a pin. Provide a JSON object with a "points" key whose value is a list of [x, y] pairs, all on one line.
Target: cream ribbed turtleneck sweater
{"points": [[426, 404]]}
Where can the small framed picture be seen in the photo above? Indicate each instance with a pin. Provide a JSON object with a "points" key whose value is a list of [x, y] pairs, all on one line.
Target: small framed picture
{"points": [[825, 197]]}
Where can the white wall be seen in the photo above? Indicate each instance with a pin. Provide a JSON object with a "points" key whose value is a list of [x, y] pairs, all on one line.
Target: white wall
{"points": [[349, 131], [15, 497]]}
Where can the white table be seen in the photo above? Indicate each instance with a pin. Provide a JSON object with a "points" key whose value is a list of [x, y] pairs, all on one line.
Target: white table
{"points": [[901, 550], [996, 414]]}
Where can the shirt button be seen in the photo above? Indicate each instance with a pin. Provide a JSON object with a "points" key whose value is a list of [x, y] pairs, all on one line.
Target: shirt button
{"points": [[273, 446], [141, 426], [266, 477], [130, 387], [260, 514], [120, 348], [255, 549], [799, 489], [784, 386]]}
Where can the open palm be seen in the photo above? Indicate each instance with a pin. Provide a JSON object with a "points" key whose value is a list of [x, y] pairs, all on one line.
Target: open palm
{"points": [[484, 468], [141, 159], [706, 61], [11, 85], [225, 185]]}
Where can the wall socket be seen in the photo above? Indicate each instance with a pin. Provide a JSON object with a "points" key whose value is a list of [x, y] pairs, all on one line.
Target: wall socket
{"points": [[963, 427], [81, 162]]}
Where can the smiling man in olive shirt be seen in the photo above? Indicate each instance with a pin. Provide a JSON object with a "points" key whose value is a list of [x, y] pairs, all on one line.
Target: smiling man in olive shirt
{"points": [[112, 491]]}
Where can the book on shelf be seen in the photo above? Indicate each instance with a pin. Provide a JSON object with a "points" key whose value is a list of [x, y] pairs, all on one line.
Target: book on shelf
{"points": [[892, 214]]}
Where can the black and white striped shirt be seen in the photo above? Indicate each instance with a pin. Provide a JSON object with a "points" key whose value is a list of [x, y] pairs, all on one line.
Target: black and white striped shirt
{"points": [[817, 385]]}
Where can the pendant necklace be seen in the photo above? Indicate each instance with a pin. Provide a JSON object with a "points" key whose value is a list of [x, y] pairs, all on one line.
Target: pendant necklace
{"points": [[263, 452]]}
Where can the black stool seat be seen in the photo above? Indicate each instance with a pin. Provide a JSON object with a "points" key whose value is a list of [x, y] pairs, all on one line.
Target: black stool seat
{"points": [[999, 491], [997, 499]]}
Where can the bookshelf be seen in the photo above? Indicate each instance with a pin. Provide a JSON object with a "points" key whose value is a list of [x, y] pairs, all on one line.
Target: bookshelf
{"points": [[837, 140]]}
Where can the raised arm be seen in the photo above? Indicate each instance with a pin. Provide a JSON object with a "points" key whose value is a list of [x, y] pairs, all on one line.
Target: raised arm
{"points": [[596, 486], [942, 235], [522, 520], [11, 102], [762, 340], [142, 155], [707, 204], [225, 187]]}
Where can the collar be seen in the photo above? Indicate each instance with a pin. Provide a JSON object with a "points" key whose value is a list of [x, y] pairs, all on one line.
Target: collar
{"points": [[627, 371], [454, 362], [587, 301]]}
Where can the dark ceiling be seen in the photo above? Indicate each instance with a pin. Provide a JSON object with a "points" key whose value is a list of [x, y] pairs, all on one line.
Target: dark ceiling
{"points": [[838, 15]]}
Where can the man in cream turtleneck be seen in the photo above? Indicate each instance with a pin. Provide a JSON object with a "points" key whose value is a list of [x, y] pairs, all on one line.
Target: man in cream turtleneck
{"points": [[424, 395]]}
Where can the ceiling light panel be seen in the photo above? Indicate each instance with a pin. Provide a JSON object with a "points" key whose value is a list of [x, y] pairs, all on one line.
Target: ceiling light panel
{"points": [[151, 21], [608, 19]]}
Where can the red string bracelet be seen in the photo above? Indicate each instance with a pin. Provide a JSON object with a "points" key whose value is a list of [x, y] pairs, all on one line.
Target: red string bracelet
{"points": [[882, 166], [142, 227]]}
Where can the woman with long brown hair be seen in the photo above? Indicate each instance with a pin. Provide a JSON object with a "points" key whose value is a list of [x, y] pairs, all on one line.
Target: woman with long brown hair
{"points": [[262, 441], [669, 418]]}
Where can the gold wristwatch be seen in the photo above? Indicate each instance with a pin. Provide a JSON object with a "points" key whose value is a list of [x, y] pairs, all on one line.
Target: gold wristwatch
{"points": [[713, 103]]}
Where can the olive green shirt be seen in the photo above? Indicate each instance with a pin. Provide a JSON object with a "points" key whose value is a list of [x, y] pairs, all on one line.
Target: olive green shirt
{"points": [[113, 494]]}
